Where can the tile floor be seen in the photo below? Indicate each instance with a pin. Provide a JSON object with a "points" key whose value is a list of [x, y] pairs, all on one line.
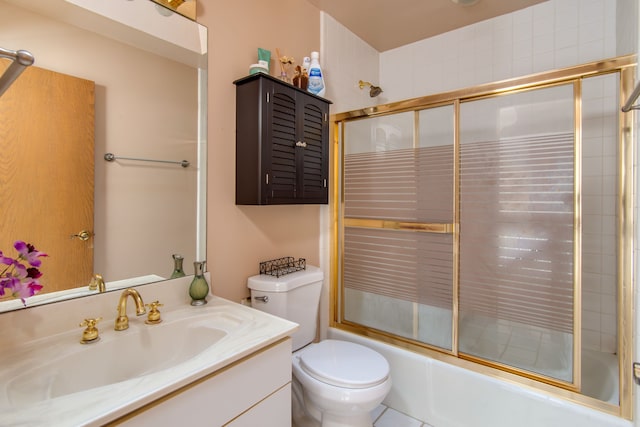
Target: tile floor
{"points": [[388, 417]]}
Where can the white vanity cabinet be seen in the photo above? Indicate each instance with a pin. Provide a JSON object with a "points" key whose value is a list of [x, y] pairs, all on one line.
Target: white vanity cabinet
{"points": [[272, 412], [254, 391]]}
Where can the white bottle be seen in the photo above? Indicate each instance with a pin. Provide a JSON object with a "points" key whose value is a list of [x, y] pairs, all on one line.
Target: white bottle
{"points": [[316, 81]]}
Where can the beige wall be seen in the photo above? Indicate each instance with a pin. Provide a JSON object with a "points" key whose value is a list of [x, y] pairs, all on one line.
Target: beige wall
{"points": [[239, 237]]}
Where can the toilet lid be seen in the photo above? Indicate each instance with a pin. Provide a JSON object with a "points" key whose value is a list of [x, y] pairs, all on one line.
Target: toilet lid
{"points": [[344, 364]]}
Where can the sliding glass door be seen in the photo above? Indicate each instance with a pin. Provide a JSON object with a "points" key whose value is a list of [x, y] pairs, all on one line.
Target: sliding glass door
{"points": [[517, 230]]}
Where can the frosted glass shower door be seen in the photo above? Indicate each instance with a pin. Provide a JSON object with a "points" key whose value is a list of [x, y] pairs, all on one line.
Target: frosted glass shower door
{"points": [[517, 231], [398, 224]]}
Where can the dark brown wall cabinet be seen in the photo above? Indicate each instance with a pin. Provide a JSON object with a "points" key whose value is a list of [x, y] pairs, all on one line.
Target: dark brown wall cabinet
{"points": [[282, 143]]}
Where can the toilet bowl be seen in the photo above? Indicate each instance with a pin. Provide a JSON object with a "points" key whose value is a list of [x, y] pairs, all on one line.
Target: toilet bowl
{"points": [[335, 383], [338, 384]]}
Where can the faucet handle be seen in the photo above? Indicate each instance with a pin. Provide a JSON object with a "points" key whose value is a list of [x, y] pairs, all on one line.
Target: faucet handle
{"points": [[90, 334], [154, 313]]}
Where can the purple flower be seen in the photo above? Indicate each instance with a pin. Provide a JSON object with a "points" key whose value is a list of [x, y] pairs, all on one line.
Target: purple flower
{"points": [[33, 273], [19, 280], [23, 290], [29, 253], [5, 259], [6, 283]]}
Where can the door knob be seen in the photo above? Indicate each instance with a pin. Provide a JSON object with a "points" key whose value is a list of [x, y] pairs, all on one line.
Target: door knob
{"points": [[84, 235]]}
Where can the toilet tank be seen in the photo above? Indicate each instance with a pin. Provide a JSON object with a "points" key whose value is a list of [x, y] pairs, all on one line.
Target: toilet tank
{"points": [[294, 296]]}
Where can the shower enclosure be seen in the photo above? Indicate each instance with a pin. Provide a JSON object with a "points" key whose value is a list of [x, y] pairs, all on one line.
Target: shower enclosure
{"points": [[493, 225]]}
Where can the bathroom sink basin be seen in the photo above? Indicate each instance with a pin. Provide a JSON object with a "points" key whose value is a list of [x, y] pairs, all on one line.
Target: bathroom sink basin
{"points": [[118, 356], [47, 377]]}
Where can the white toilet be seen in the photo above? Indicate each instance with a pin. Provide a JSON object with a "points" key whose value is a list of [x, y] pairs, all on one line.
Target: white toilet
{"points": [[335, 383]]}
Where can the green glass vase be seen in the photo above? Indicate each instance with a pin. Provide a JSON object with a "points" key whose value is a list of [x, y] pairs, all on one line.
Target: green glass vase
{"points": [[199, 288], [177, 266]]}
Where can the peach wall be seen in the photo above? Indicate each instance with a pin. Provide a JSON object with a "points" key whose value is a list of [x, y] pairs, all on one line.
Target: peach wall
{"points": [[239, 237]]}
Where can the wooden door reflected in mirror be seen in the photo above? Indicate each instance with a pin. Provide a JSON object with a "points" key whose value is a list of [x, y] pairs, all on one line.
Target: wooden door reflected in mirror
{"points": [[47, 173]]}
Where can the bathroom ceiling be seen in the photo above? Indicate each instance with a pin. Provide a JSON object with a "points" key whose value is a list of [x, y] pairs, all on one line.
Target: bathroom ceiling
{"points": [[387, 24]]}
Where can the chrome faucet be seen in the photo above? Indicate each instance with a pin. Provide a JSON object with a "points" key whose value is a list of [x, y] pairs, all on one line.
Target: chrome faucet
{"points": [[122, 321]]}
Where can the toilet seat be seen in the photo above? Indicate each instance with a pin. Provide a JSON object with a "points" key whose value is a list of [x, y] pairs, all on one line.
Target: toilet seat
{"points": [[344, 364]]}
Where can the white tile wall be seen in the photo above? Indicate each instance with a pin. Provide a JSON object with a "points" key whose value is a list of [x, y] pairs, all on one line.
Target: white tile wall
{"points": [[380, 312], [599, 152], [550, 35], [346, 59], [528, 347]]}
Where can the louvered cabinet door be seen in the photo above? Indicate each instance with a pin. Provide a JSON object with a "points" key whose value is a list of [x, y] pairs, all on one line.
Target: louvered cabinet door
{"points": [[279, 154], [282, 139], [313, 152]]}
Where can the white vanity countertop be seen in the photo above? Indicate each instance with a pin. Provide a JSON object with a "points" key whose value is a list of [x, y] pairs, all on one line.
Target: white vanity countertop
{"points": [[247, 331]]}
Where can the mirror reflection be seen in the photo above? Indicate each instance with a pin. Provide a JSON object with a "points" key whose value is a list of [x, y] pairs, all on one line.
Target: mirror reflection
{"points": [[87, 95]]}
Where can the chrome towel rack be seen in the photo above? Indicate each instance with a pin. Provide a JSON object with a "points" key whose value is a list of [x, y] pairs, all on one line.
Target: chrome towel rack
{"points": [[634, 96], [110, 157], [21, 59]]}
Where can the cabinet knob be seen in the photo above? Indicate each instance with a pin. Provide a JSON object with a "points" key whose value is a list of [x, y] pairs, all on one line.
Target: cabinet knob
{"points": [[301, 144]]}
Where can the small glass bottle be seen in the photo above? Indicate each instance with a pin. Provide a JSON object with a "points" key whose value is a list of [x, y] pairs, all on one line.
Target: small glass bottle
{"points": [[300, 79], [296, 76], [177, 266], [199, 288], [284, 77]]}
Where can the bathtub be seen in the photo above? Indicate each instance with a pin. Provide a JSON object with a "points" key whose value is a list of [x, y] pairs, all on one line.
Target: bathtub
{"points": [[444, 395], [600, 376]]}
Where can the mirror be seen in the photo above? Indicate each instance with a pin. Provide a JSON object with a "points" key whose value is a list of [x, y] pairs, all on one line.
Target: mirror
{"points": [[149, 72]]}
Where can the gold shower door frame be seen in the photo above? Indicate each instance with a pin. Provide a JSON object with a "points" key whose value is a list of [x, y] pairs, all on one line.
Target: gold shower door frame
{"points": [[625, 66]]}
